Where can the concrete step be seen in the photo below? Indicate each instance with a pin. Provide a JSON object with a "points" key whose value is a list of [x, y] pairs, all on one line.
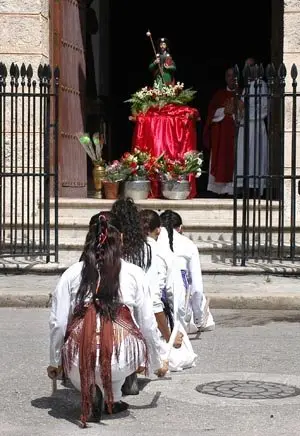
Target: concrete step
{"points": [[205, 220], [193, 212], [215, 265]]}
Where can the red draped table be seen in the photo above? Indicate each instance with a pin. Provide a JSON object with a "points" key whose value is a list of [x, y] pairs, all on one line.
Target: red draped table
{"points": [[170, 130]]}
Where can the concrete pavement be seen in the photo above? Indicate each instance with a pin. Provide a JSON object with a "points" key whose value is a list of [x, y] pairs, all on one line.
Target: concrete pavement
{"points": [[224, 291], [254, 352]]}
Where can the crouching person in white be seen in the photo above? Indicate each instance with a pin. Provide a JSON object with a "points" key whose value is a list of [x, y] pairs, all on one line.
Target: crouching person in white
{"points": [[198, 312], [102, 326], [169, 302]]}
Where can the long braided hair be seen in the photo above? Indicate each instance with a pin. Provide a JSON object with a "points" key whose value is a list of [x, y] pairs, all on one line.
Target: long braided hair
{"points": [[135, 248], [170, 220], [99, 283], [101, 261]]}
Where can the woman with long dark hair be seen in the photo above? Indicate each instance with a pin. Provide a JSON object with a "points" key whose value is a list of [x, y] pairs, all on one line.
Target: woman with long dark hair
{"points": [[187, 254], [169, 305], [163, 302], [135, 249], [102, 327]]}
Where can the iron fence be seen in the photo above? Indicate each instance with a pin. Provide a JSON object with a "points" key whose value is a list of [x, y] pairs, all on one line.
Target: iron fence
{"points": [[265, 223], [28, 162]]}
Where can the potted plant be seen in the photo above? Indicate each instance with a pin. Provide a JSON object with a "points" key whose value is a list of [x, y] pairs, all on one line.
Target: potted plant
{"points": [[93, 148], [114, 173], [139, 167], [174, 174]]}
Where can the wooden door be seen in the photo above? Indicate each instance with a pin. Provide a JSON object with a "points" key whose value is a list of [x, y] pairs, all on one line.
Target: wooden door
{"points": [[68, 52]]}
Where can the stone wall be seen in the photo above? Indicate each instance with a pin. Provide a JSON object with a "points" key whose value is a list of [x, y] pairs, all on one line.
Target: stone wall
{"points": [[291, 55], [24, 32], [24, 36]]}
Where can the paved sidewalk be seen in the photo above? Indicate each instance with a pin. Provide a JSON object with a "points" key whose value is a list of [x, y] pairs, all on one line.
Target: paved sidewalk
{"points": [[224, 291], [248, 370]]}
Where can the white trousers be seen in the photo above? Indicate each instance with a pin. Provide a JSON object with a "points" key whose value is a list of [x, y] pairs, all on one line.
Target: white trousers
{"points": [[118, 379], [131, 355]]}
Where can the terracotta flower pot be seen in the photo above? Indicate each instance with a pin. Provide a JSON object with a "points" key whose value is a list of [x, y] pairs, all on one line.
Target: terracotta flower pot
{"points": [[111, 190]]}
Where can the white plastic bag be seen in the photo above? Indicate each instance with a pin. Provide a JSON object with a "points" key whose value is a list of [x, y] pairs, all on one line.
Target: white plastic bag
{"points": [[180, 358]]}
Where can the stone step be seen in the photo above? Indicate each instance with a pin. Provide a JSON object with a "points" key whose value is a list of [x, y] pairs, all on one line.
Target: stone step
{"points": [[208, 222], [212, 266], [207, 239], [193, 212]]}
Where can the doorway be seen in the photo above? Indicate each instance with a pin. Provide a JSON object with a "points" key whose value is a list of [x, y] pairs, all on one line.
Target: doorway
{"points": [[201, 55]]}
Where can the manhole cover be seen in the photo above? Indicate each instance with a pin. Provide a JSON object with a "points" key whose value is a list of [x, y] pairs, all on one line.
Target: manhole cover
{"points": [[246, 389]]}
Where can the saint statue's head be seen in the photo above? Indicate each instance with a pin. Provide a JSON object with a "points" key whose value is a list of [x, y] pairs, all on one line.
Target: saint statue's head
{"points": [[163, 45]]}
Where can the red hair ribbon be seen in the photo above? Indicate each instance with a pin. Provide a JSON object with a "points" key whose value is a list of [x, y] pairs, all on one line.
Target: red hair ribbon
{"points": [[103, 234]]}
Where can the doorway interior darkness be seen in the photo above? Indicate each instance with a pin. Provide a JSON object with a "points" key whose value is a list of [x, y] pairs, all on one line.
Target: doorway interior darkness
{"points": [[203, 44]]}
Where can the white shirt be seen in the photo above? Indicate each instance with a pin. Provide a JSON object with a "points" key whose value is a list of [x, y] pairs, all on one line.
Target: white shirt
{"points": [[171, 277], [135, 293], [188, 259], [154, 275]]}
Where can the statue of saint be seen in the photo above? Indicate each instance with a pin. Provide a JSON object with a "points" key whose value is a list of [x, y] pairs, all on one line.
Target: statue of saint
{"points": [[163, 67]]}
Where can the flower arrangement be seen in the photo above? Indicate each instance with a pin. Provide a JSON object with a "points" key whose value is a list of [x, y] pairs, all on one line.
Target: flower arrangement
{"points": [[159, 96], [139, 165], [114, 172], [179, 169], [93, 147]]}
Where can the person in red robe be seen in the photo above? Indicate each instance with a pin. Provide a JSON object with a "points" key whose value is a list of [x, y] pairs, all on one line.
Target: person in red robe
{"points": [[219, 136]]}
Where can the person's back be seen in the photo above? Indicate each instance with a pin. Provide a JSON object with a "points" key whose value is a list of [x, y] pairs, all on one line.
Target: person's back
{"points": [[172, 294], [188, 259], [101, 322], [165, 287]]}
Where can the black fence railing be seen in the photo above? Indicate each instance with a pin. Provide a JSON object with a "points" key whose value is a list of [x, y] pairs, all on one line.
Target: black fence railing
{"points": [[266, 180], [28, 162]]}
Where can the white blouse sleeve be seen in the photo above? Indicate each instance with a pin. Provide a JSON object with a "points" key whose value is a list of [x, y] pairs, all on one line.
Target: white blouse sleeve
{"points": [[195, 271], [144, 315], [154, 279], [61, 301]]}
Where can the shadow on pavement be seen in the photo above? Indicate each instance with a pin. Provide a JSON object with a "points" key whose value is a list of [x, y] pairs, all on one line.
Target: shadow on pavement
{"points": [[65, 404], [248, 318]]}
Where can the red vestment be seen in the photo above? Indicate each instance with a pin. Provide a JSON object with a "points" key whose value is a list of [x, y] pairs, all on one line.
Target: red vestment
{"points": [[218, 137]]}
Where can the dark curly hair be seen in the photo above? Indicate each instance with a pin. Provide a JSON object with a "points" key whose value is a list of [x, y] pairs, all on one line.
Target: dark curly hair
{"points": [[135, 248], [149, 220], [101, 260], [170, 220]]}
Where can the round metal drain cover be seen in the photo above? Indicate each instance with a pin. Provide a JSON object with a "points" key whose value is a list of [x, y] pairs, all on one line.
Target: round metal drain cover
{"points": [[247, 389]]}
